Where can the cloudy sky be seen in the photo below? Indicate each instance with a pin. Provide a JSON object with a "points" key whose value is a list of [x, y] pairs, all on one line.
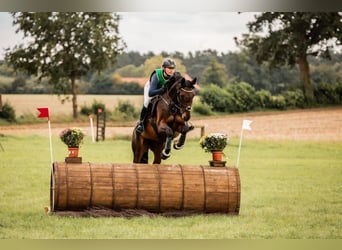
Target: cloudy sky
{"points": [[164, 31]]}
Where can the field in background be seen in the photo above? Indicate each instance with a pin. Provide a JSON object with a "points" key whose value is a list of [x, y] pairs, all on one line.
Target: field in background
{"points": [[310, 124], [27, 104]]}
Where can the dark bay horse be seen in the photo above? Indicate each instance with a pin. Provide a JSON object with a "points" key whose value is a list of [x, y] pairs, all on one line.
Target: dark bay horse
{"points": [[169, 118]]}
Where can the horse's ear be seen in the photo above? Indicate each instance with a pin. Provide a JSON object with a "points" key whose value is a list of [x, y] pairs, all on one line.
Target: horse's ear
{"points": [[194, 81], [183, 82]]}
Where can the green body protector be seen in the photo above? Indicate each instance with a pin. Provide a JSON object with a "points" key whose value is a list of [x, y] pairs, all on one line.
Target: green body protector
{"points": [[160, 76]]}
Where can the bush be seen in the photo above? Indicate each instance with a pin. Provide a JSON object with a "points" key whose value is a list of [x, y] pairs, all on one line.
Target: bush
{"points": [[86, 110], [202, 109], [338, 91], [7, 113], [244, 98], [216, 98], [278, 102], [239, 97], [125, 110], [294, 98], [327, 93], [96, 106], [263, 99]]}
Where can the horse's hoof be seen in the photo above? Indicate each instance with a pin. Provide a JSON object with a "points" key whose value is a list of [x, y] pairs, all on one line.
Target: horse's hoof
{"points": [[191, 127], [164, 155], [175, 146]]}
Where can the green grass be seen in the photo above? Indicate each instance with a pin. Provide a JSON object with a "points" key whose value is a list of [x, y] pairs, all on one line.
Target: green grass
{"points": [[288, 190]]}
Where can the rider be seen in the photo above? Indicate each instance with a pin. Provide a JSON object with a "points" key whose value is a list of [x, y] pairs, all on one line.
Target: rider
{"points": [[155, 86]]}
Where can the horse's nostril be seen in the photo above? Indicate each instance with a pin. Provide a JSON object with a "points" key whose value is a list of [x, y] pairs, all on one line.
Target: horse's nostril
{"points": [[188, 108]]}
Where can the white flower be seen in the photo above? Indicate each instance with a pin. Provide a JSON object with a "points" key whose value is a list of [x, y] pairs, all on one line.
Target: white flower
{"points": [[214, 141]]}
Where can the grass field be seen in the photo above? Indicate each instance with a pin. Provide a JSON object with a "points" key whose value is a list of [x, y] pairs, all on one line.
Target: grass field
{"points": [[289, 190]]}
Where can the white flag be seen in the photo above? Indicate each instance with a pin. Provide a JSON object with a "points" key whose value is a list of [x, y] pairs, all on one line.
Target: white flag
{"points": [[246, 124]]}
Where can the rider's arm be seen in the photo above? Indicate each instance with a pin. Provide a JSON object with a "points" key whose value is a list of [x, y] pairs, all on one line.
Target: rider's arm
{"points": [[154, 87]]}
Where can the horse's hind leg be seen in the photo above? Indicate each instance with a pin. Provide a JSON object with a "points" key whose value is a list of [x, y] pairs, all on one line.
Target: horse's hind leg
{"points": [[144, 158], [138, 148], [157, 157]]}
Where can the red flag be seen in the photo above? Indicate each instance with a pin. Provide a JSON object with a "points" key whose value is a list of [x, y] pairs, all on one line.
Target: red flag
{"points": [[44, 112]]}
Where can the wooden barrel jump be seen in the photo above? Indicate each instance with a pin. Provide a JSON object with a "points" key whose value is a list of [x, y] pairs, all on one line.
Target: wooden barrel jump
{"points": [[154, 188]]}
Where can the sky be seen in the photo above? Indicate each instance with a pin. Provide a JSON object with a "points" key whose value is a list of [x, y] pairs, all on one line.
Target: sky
{"points": [[163, 31]]}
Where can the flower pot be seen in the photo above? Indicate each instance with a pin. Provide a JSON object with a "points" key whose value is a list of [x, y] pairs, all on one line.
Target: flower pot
{"points": [[217, 155], [73, 152]]}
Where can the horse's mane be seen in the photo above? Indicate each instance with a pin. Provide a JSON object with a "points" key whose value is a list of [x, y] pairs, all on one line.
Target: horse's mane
{"points": [[173, 79], [178, 78]]}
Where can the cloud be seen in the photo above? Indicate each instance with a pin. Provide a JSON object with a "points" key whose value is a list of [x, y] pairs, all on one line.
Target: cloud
{"points": [[164, 31], [183, 32]]}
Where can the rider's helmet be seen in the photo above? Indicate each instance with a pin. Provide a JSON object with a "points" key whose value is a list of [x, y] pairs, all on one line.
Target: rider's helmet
{"points": [[169, 63]]}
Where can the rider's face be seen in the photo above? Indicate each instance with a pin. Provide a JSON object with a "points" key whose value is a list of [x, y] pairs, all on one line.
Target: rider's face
{"points": [[169, 71]]}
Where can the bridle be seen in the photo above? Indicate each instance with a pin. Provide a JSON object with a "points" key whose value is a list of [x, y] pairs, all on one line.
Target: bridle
{"points": [[176, 106], [181, 105]]}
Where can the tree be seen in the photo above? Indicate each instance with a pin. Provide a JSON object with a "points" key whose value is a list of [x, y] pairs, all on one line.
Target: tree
{"points": [[64, 46], [156, 61], [215, 73], [242, 67], [292, 37]]}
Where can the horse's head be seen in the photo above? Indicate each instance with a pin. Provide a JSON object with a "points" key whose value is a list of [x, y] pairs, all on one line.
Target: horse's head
{"points": [[182, 93]]}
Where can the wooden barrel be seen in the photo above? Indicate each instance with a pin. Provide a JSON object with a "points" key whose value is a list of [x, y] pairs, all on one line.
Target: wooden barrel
{"points": [[155, 188]]}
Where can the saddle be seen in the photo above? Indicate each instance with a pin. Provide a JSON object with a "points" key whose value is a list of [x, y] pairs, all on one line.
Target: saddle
{"points": [[173, 108], [151, 109]]}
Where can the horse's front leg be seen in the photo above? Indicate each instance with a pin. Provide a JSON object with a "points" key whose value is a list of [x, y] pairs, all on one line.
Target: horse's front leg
{"points": [[165, 130], [178, 144], [166, 153]]}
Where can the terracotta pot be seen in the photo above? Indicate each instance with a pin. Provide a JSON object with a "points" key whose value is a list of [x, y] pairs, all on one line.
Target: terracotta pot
{"points": [[73, 152], [217, 155]]}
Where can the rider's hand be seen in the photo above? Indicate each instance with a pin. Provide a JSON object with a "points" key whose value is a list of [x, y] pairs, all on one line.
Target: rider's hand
{"points": [[163, 90]]}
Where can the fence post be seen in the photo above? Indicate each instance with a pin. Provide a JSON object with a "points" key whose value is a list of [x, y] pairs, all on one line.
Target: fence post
{"points": [[100, 124], [202, 131]]}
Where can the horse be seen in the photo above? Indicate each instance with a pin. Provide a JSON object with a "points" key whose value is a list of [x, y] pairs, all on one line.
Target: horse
{"points": [[169, 118]]}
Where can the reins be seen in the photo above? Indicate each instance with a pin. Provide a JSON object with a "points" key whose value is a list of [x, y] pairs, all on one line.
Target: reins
{"points": [[177, 104]]}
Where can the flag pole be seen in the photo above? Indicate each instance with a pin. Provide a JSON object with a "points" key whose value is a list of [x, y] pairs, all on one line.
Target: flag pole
{"points": [[52, 179], [238, 157], [92, 128], [44, 113], [245, 125], [50, 139]]}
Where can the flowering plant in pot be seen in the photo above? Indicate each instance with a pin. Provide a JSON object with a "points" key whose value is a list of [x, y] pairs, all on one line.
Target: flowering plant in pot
{"points": [[72, 137], [214, 143]]}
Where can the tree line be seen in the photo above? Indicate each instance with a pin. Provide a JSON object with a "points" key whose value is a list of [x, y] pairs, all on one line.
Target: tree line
{"points": [[208, 66]]}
